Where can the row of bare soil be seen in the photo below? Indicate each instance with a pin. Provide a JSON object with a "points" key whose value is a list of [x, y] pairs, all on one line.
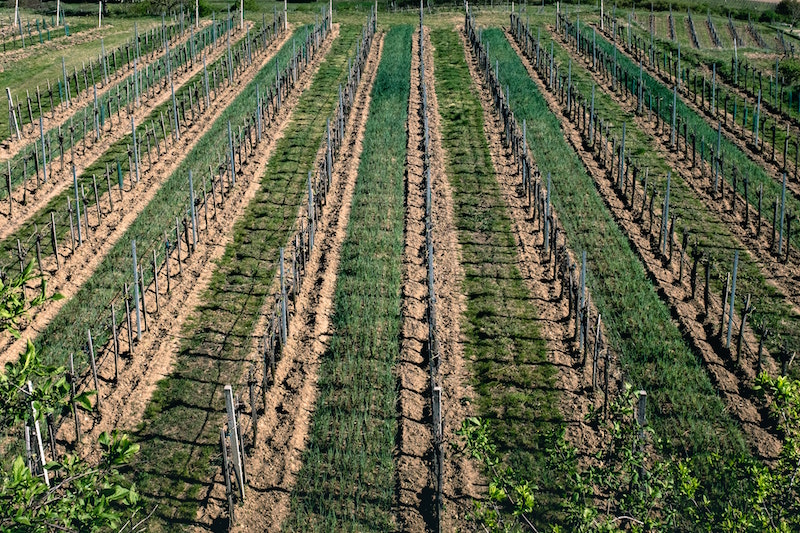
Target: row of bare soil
{"points": [[733, 387], [28, 203], [107, 231]]}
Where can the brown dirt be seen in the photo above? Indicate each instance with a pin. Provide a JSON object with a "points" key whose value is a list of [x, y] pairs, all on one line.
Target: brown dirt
{"points": [[60, 176], [284, 426], [60, 115], [125, 401], [723, 372], [415, 485], [463, 482], [574, 376], [77, 268]]}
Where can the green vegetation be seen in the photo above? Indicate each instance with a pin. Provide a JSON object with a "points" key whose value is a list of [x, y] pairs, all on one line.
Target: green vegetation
{"points": [[511, 372], [627, 489], [772, 309], [686, 410], [347, 482], [180, 432], [80, 496]]}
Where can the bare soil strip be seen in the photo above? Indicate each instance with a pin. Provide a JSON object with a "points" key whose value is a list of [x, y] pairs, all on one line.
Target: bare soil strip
{"points": [[733, 388], [30, 132], [574, 376], [413, 456], [61, 175], [110, 228], [283, 427]]}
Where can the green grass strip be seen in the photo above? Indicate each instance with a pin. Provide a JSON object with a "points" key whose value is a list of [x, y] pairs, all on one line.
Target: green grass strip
{"points": [[684, 408], [347, 480], [733, 154], [89, 308], [511, 372], [773, 309], [180, 432]]}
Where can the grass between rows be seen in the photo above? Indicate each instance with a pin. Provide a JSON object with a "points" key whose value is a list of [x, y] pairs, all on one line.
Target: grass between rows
{"points": [[347, 479], [89, 308], [684, 408], [508, 356], [733, 154], [117, 153], [180, 432], [772, 308]]}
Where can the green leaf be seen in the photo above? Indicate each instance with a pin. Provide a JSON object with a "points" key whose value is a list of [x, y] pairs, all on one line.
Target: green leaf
{"points": [[82, 400]]}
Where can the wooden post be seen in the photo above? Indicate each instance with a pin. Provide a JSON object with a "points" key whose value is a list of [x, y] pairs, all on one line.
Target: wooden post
{"points": [[94, 366], [73, 378], [115, 333], [53, 239], [136, 293], [233, 429], [733, 297], [226, 474], [746, 310]]}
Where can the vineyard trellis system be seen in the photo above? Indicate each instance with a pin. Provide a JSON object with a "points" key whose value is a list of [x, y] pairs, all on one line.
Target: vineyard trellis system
{"points": [[589, 336], [291, 272], [725, 159], [52, 224], [97, 118], [434, 355], [98, 73], [611, 153], [108, 333], [773, 102]]}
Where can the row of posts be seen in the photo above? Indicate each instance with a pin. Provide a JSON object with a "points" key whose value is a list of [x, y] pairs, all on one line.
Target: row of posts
{"points": [[624, 176], [292, 264], [134, 297], [589, 341]]}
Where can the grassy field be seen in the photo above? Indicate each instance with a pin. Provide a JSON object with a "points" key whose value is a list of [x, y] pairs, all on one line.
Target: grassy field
{"points": [[504, 346], [684, 408], [347, 481], [773, 309], [180, 432]]}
